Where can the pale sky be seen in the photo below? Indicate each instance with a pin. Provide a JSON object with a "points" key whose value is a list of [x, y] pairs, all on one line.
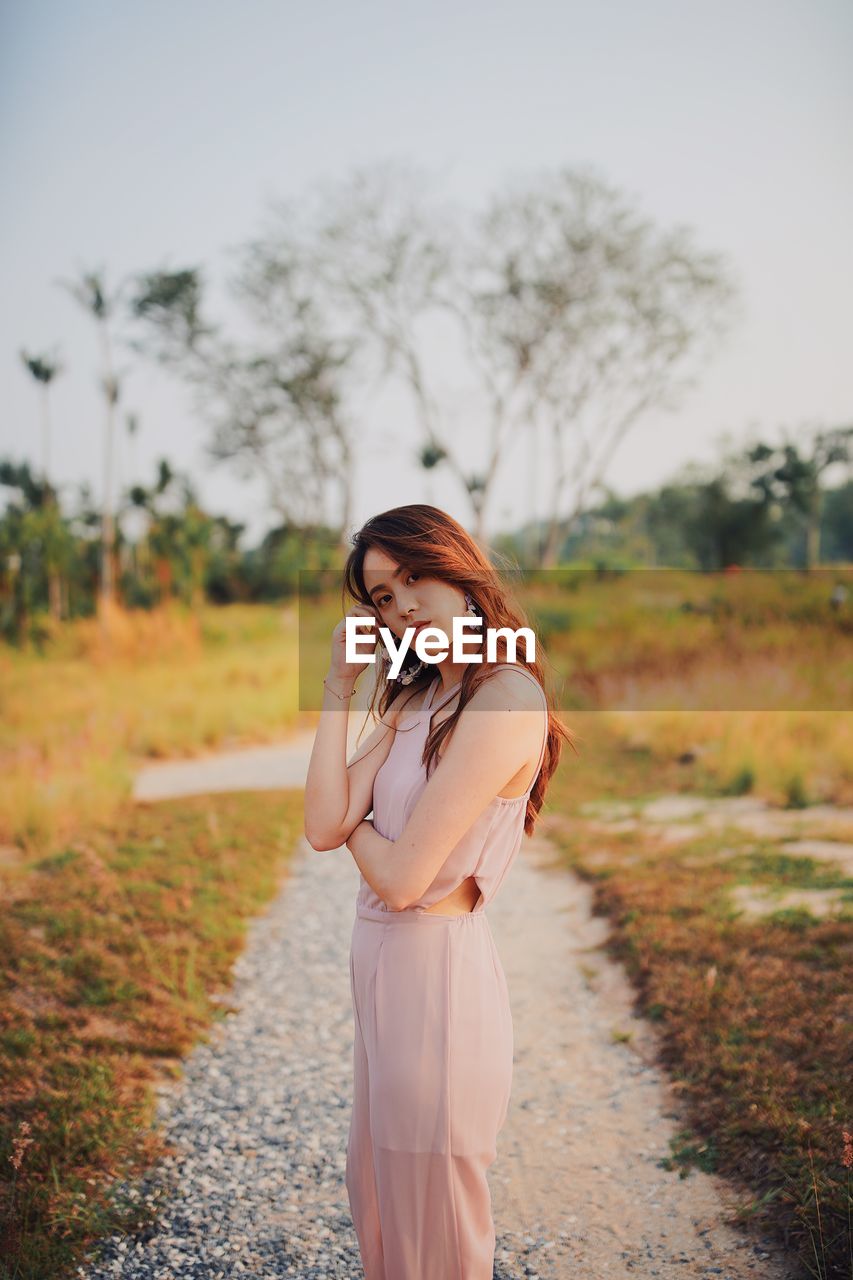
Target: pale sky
{"points": [[151, 136]]}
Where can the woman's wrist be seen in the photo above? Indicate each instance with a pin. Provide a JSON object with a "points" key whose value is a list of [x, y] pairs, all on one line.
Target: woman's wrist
{"points": [[343, 686]]}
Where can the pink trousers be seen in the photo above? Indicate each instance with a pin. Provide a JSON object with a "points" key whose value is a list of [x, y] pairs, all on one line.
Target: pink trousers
{"points": [[432, 1077]]}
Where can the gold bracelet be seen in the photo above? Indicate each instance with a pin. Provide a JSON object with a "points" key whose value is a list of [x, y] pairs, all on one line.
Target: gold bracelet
{"points": [[343, 696]]}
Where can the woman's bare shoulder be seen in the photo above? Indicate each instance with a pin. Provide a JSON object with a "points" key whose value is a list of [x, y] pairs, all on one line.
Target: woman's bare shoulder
{"points": [[507, 685]]}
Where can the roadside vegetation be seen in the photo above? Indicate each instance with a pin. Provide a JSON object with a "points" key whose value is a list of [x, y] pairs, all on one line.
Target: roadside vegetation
{"points": [[753, 1007], [121, 920]]}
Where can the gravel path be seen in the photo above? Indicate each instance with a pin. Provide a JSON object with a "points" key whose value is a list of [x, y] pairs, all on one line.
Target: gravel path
{"points": [[258, 1123]]}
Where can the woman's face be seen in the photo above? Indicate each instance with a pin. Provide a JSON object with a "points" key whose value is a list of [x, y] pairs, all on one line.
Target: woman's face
{"points": [[402, 597]]}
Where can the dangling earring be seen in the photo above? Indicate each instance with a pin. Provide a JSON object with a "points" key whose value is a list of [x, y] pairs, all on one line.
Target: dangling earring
{"points": [[405, 677], [409, 676], [469, 603]]}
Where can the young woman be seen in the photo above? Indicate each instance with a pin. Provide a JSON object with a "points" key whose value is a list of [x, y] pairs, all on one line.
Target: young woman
{"points": [[454, 773]]}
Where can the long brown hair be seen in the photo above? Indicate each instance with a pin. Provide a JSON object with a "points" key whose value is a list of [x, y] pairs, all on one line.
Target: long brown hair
{"points": [[426, 539]]}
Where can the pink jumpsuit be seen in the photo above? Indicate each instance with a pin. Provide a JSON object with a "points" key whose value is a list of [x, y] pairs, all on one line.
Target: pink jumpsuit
{"points": [[433, 1041]]}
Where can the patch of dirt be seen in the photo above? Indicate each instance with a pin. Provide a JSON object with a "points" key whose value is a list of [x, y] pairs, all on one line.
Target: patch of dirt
{"points": [[677, 819], [822, 851], [757, 900]]}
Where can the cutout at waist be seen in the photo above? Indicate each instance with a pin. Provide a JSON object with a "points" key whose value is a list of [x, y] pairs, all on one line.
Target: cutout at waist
{"points": [[462, 901]]}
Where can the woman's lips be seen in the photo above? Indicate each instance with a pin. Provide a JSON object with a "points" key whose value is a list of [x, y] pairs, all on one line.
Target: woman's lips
{"points": [[420, 626]]}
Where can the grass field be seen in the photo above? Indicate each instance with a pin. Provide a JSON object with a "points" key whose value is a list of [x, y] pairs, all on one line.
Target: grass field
{"points": [[120, 921], [111, 947], [754, 1014], [77, 721]]}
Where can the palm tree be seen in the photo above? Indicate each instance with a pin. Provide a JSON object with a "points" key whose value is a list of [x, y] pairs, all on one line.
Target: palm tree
{"points": [[44, 369], [92, 294]]}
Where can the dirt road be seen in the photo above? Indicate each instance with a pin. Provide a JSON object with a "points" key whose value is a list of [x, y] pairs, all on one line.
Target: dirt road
{"points": [[578, 1190]]}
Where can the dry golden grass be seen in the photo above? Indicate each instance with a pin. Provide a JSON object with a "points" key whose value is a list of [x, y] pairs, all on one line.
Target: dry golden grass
{"points": [[110, 950], [754, 1015], [78, 721], [786, 757]]}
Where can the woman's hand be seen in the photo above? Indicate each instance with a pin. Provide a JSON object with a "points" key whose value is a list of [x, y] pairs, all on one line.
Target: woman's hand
{"points": [[339, 669], [370, 854]]}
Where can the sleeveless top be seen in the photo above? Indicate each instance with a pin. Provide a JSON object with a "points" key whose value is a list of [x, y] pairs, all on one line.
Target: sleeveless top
{"points": [[489, 846]]}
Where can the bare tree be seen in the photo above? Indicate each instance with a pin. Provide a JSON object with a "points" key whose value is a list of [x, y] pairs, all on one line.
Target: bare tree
{"points": [[601, 316], [570, 310], [573, 315], [379, 255], [275, 405], [309, 372]]}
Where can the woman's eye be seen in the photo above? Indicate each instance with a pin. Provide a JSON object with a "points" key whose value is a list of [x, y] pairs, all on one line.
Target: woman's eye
{"points": [[383, 600]]}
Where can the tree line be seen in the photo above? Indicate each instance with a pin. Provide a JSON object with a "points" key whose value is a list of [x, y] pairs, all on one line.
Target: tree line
{"points": [[764, 506], [570, 315]]}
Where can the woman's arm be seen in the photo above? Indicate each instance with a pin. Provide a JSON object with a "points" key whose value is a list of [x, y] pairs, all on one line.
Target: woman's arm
{"points": [[498, 731], [332, 789], [338, 795]]}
